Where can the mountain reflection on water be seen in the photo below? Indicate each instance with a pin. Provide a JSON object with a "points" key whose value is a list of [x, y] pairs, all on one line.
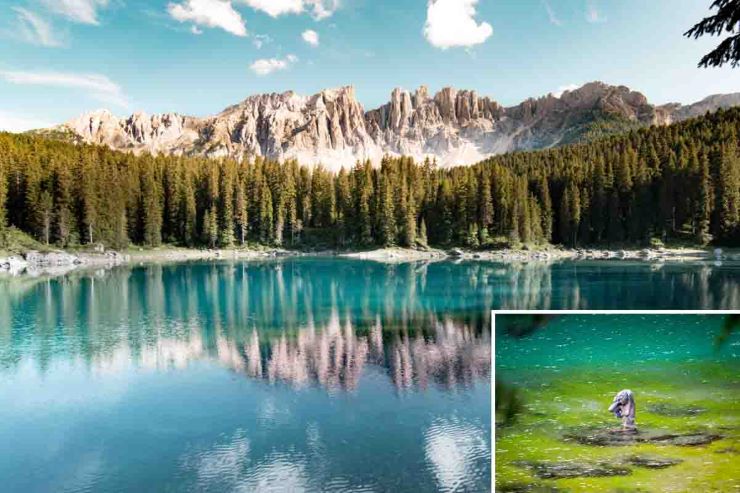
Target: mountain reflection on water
{"points": [[334, 356], [268, 325]]}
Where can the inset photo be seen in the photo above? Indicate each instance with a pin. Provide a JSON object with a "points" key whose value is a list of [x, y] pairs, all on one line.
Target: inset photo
{"points": [[641, 401]]}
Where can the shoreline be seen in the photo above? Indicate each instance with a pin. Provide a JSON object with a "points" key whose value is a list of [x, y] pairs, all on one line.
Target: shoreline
{"points": [[57, 262]]}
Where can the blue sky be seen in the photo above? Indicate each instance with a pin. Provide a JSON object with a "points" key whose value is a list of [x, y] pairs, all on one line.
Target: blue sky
{"points": [[59, 58]]}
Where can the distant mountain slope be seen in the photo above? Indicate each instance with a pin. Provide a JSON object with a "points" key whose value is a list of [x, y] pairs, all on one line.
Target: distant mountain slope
{"points": [[331, 127]]}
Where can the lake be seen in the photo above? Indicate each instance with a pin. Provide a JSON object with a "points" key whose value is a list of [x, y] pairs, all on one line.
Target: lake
{"points": [[556, 382], [309, 373], [268, 376]]}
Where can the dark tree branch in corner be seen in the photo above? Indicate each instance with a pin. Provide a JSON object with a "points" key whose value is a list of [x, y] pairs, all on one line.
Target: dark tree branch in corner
{"points": [[726, 19]]}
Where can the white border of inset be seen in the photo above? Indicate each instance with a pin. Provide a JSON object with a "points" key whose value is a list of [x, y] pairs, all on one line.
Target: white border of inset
{"points": [[565, 312]]}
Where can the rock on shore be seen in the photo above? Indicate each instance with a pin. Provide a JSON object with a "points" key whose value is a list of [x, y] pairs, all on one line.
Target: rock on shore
{"points": [[57, 262]]}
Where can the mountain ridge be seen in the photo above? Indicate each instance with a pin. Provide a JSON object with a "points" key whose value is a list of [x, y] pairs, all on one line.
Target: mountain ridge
{"points": [[453, 127]]}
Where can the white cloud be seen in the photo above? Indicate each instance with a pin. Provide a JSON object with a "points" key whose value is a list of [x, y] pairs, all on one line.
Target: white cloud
{"points": [[311, 37], [82, 11], [35, 29], [319, 9], [452, 23], [551, 14], [99, 86], [267, 66], [195, 30], [10, 122], [209, 13], [322, 8], [275, 8], [562, 89], [592, 14]]}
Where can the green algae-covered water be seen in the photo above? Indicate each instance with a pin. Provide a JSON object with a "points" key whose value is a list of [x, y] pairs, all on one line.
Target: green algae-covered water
{"points": [[557, 376], [229, 376]]}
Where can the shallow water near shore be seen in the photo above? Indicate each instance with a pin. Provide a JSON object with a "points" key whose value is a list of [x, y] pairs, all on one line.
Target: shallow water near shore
{"points": [[564, 376]]}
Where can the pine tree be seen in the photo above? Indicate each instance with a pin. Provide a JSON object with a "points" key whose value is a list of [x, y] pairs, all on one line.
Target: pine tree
{"points": [[210, 227], [409, 227], [365, 194], [472, 237], [187, 213], [344, 208], [3, 201], [445, 201], [570, 213], [45, 211], [545, 224], [485, 205], [242, 213], [728, 192], [614, 230], [151, 209], [422, 237], [65, 232], [724, 20], [704, 203], [265, 213], [226, 203], [386, 214], [89, 202]]}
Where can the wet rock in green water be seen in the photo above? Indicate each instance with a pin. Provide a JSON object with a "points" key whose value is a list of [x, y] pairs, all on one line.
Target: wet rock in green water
{"points": [[673, 410], [652, 461], [690, 439], [614, 438], [526, 488], [728, 450], [568, 469]]}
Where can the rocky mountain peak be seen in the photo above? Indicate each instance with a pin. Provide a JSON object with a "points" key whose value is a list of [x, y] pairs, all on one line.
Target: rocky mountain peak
{"points": [[453, 126]]}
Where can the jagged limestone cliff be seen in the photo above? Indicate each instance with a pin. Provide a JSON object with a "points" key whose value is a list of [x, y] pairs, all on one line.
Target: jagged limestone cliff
{"points": [[332, 128]]}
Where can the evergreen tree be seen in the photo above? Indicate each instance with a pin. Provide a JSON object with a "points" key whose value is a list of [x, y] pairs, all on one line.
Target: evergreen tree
{"points": [[65, 233], [210, 227], [386, 214], [485, 205], [726, 19], [242, 213], [151, 209], [422, 237], [3, 199], [45, 209], [728, 192], [704, 205], [226, 202]]}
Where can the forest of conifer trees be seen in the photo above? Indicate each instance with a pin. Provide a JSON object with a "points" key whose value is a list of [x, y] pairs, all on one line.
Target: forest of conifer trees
{"points": [[671, 183]]}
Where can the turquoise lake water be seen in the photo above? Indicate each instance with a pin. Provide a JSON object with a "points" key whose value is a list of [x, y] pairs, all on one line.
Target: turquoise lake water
{"points": [[276, 376], [303, 374]]}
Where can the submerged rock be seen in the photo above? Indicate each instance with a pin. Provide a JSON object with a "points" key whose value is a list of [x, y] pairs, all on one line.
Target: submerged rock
{"points": [[525, 488], [652, 461], [727, 450], [614, 438], [568, 469], [673, 410]]}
